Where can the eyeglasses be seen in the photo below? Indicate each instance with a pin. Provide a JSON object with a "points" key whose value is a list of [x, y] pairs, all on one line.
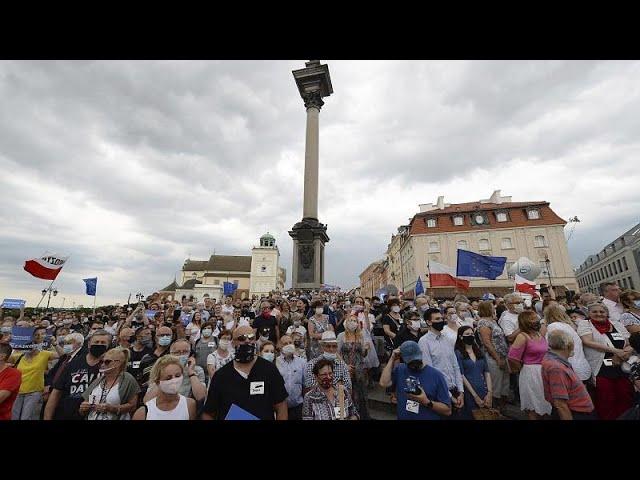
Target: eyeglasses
{"points": [[108, 362], [325, 375], [182, 352], [245, 338]]}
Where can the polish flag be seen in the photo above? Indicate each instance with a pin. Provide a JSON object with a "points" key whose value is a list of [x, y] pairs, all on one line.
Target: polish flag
{"points": [[525, 286], [47, 267], [444, 276]]}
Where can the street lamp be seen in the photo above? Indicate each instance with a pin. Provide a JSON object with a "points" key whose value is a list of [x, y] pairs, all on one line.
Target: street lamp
{"points": [[139, 296], [547, 262], [44, 292]]}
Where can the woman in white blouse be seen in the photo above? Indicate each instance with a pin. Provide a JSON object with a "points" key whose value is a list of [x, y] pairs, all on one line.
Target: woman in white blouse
{"points": [[556, 319]]}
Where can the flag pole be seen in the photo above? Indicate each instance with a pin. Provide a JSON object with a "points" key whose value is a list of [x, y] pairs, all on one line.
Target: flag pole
{"points": [[94, 301]]}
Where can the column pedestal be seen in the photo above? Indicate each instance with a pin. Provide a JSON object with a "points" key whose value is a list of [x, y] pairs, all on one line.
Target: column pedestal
{"points": [[309, 237]]}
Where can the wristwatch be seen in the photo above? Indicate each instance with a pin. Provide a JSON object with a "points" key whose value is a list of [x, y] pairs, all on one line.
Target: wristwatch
{"points": [[430, 404]]}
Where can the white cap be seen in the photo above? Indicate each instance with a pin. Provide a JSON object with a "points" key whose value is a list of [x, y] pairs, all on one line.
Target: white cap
{"points": [[328, 337]]}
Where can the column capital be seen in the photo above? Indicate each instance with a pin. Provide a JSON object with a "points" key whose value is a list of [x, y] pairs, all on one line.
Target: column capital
{"points": [[313, 100]]}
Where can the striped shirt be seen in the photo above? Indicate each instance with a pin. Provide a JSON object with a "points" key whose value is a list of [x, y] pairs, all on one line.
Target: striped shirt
{"points": [[561, 383]]}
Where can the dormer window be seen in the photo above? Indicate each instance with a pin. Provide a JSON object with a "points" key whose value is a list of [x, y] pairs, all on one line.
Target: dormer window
{"points": [[501, 217], [458, 220], [533, 214], [431, 222]]}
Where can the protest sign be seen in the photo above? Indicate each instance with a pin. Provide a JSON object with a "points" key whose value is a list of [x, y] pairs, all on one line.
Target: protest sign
{"points": [[21, 338], [13, 303]]}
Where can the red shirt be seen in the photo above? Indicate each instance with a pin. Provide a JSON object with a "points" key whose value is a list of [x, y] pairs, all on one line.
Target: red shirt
{"points": [[561, 383], [10, 379]]}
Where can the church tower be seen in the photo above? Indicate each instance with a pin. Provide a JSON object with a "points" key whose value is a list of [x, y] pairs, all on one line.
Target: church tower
{"points": [[264, 266]]}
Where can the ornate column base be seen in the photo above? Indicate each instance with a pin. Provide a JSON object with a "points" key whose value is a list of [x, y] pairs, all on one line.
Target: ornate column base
{"points": [[309, 237]]}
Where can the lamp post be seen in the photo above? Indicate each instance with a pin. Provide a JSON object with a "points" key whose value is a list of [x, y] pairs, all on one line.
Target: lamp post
{"points": [[50, 290], [547, 262], [139, 296]]}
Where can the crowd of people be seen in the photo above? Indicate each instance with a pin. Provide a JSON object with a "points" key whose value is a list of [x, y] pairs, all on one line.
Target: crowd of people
{"points": [[317, 356]]}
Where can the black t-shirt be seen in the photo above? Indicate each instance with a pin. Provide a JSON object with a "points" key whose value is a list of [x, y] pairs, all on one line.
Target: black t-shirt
{"points": [[405, 334], [608, 370], [75, 379], [146, 364], [393, 326], [229, 387], [266, 327], [135, 361], [247, 315]]}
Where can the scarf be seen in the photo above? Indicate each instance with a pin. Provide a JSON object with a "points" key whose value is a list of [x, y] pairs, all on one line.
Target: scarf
{"points": [[602, 327]]}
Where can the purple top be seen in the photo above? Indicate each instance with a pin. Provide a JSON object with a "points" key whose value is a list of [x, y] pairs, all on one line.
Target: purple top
{"points": [[531, 353]]}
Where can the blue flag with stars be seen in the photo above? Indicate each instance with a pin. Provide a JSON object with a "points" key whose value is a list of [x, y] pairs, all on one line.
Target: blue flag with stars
{"points": [[229, 288], [419, 286], [472, 264], [91, 284]]}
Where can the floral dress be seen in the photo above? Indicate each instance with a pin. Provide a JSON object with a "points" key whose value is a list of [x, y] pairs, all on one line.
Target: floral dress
{"points": [[353, 354], [320, 326]]}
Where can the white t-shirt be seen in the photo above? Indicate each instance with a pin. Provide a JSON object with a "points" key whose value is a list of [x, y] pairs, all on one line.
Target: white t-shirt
{"points": [[508, 322], [227, 309], [450, 334], [578, 360], [217, 361], [112, 398], [615, 309]]}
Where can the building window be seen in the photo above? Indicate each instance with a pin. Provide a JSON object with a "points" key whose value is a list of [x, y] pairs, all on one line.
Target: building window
{"points": [[619, 265], [263, 268], [533, 214], [501, 217], [506, 243], [434, 247], [615, 269], [458, 220], [216, 282], [624, 282], [624, 262], [631, 284], [431, 222], [462, 245], [539, 241], [483, 244], [610, 271]]}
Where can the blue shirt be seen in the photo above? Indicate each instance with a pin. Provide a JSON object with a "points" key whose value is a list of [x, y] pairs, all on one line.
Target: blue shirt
{"points": [[431, 381], [438, 352], [293, 374]]}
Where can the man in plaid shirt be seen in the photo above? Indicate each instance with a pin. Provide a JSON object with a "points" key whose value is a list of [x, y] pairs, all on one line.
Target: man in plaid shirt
{"points": [[340, 370]]}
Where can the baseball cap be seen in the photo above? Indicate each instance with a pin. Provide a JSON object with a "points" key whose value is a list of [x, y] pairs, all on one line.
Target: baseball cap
{"points": [[410, 351], [330, 337]]}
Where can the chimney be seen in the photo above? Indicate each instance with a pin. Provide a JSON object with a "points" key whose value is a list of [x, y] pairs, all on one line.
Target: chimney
{"points": [[440, 202]]}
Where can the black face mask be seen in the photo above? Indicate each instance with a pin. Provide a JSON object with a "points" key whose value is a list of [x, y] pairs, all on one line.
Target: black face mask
{"points": [[97, 350], [468, 339], [245, 353], [415, 365], [536, 326], [438, 326], [297, 343]]}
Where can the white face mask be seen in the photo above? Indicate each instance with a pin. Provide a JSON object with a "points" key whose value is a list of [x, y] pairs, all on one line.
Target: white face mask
{"points": [[224, 344], [415, 324], [319, 310], [171, 387], [207, 332], [395, 308], [269, 356], [330, 356], [351, 326], [289, 349], [519, 308]]}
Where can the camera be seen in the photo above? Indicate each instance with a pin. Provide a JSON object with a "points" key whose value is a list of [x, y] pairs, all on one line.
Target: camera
{"points": [[412, 386], [632, 368]]}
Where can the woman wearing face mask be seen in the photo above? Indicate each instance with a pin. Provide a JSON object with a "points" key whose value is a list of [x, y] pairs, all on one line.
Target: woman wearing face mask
{"points": [[353, 350], [205, 346], [142, 346], [325, 401], [606, 347], [192, 330], [298, 337], [286, 318], [475, 374], [114, 394], [464, 314], [367, 321], [391, 323], [167, 375], [318, 324], [525, 356], [268, 351], [222, 355], [291, 367], [630, 300], [495, 349]]}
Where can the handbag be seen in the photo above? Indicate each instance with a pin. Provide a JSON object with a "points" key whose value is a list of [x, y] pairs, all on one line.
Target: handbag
{"points": [[484, 413]]}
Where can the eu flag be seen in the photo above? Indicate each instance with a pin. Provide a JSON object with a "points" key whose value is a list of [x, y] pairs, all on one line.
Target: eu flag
{"points": [[91, 284], [419, 286], [229, 288], [472, 264]]}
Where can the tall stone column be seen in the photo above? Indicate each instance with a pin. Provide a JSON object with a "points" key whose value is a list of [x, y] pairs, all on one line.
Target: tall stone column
{"points": [[309, 235]]}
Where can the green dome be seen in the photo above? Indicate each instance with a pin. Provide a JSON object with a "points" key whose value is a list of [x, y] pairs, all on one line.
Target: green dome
{"points": [[267, 236]]}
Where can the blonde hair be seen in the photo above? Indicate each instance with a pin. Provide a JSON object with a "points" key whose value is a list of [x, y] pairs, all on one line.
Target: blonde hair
{"points": [[161, 363], [358, 331], [125, 353], [555, 313]]}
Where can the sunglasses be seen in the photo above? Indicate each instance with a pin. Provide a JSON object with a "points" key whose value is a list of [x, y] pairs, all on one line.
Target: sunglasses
{"points": [[244, 338], [108, 362]]}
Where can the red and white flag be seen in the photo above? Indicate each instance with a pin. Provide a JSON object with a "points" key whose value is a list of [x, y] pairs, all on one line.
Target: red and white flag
{"points": [[47, 267], [525, 286], [445, 276]]}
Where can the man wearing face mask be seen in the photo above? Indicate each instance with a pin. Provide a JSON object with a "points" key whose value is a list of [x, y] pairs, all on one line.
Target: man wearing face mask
{"points": [[410, 329], [266, 325], [250, 382], [66, 396], [329, 344], [438, 352], [509, 318], [143, 345], [421, 390], [164, 337], [292, 367], [246, 315], [205, 346]]}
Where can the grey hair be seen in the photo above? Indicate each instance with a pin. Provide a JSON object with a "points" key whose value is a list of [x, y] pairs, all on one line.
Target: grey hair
{"points": [[597, 304], [559, 340], [511, 296], [102, 332], [76, 337]]}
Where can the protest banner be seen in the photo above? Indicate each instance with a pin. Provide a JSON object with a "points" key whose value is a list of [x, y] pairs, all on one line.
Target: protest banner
{"points": [[13, 303], [22, 338]]}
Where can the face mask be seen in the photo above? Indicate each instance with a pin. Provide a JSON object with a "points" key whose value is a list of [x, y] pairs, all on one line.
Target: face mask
{"points": [[351, 326], [297, 343], [106, 369], [66, 322], [637, 303], [424, 308], [224, 345], [269, 356], [147, 343], [97, 350], [172, 386], [164, 340], [207, 332], [468, 339], [415, 324], [245, 353], [6, 330], [536, 326], [415, 365], [438, 326], [319, 310], [395, 308], [184, 359], [294, 309], [519, 308], [358, 308], [326, 382], [289, 349], [67, 348], [330, 356]]}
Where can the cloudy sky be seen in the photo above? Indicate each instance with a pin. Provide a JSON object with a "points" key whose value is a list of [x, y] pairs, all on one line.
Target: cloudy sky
{"points": [[129, 166]]}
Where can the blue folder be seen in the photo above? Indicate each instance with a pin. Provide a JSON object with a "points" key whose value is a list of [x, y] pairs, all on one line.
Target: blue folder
{"points": [[237, 413]]}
